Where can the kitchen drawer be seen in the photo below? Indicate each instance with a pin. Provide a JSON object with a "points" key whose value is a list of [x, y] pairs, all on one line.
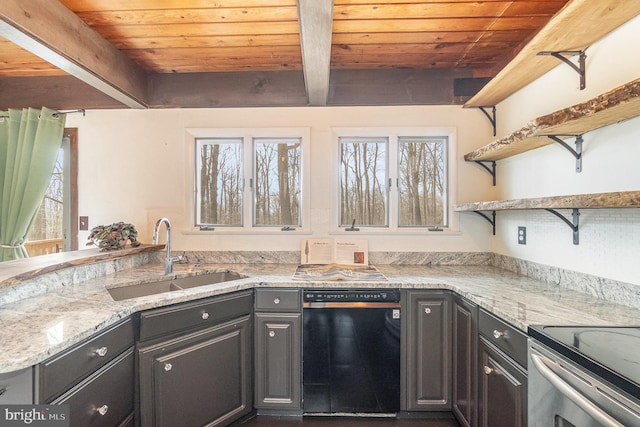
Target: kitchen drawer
{"points": [[203, 313], [65, 369], [104, 398], [278, 300], [17, 387], [504, 336]]}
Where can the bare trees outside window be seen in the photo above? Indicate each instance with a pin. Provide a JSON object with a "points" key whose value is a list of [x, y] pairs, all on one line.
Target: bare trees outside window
{"points": [[363, 174], [277, 181], [219, 181], [48, 223], [422, 183]]}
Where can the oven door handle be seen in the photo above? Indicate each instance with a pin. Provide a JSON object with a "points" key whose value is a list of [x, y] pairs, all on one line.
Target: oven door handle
{"points": [[575, 396]]}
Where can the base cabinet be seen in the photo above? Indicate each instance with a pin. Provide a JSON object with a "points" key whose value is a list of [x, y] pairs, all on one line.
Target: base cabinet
{"points": [[503, 389], [465, 357], [278, 378], [202, 378], [104, 398], [278, 352], [426, 340]]}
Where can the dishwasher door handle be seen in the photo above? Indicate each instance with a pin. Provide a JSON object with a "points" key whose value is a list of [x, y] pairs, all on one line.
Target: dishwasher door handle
{"points": [[571, 393]]}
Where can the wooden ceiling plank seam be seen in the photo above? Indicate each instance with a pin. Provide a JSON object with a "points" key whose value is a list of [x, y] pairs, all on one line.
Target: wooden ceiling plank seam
{"points": [[316, 21], [98, 5], [54, 33], [188, 16]]}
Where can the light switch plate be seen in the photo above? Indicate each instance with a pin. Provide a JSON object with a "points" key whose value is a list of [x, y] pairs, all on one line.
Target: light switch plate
{"points": [[84, 223]]}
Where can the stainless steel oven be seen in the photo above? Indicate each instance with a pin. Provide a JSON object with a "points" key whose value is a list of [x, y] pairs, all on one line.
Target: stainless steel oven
{"points": [[351, 351], [584, 377]]}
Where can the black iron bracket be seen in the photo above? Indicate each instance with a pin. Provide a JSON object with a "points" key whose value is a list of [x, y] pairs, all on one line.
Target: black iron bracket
{"points": [[577, 153], [574, 224], [491, 170], [491, 117], [491, 221], [580, 68]]}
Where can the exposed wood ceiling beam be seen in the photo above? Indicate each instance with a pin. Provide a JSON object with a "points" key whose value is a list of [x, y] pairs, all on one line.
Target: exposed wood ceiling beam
{"points": [[54, 33], [315, 18]]}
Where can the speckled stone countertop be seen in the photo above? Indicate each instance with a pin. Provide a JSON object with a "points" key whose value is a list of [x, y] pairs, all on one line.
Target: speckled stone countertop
{"points": [[40, 325]]}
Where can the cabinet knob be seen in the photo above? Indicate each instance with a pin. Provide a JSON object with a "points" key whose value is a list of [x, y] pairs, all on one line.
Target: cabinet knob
{"points": [[205, 315], [427, 310], [102, 351], [276, 300], [272, 334], [488, 370], [167, 367], [102, 410], [499, 334]]}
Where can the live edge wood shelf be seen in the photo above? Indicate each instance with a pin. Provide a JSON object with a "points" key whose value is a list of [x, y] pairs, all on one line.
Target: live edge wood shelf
{"points": [[625, 199], [619, 104], [574, 28]]}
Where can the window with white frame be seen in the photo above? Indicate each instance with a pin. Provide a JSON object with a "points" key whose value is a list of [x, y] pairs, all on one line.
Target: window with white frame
{"points": [[248, 181], [394, 181]]}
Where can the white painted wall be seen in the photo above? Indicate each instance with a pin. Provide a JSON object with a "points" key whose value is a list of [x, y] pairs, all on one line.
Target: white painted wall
{"points": [[609, 239], [134, 166]]}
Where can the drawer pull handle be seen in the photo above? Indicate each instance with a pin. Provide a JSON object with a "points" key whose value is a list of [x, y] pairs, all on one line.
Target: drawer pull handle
{"points": [[168, 367], [205, 315], [499, 334], [488, 370], [102, 351], [276, 300], [103, 410], [272, 334]]}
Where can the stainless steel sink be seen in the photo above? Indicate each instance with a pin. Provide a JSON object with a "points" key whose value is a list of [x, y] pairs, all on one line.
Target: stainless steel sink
{"points": [[152, 288]]}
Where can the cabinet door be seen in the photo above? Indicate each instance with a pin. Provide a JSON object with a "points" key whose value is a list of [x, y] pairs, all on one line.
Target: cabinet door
{"points": [[427, 345], [278, 361], [503, 389], [203, 378], [465, 344]]}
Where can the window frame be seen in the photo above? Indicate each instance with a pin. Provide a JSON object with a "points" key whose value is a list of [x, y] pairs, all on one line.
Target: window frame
{"points": [[394, 134], [248, 136]]}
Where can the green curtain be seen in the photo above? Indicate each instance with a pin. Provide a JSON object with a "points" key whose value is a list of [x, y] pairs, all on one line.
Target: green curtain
{"points": [[29, 144]]}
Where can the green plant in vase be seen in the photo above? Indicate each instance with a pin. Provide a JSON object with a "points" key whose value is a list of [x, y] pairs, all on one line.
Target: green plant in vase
{"points": [[114, 236]]}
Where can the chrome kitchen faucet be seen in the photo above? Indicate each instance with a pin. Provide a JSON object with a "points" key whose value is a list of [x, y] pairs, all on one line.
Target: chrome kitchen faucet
{"points": [[168, 261]]}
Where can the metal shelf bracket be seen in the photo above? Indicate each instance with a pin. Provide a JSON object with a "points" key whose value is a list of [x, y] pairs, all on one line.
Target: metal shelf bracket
{"points": [[491, 117], [574, 224], [562, 56], [577, 153], [491, 221], [491, 170]]}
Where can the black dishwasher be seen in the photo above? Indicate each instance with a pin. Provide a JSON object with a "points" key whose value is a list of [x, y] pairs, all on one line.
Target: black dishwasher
{"points": [[351, 351]]}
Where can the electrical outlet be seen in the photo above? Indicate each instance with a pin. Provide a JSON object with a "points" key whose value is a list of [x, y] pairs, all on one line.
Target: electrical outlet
{"points": [[522, 235]]}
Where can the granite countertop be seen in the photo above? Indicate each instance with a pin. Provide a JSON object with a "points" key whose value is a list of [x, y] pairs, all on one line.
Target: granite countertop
{"points": [[39, 326]]}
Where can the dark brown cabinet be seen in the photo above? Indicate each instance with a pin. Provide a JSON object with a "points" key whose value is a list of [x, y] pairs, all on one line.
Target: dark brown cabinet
{"points": [[465, 357], [106, 397], [202, 375], [426, 362], [95, 378], [502, 378], [278, 361]]}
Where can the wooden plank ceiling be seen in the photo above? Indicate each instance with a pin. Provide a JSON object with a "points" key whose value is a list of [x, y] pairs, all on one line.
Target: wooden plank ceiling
{"points": [[255, 46]]}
